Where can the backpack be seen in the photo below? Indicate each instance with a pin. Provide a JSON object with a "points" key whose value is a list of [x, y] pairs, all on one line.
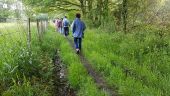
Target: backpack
{"points": [[66, 23]]}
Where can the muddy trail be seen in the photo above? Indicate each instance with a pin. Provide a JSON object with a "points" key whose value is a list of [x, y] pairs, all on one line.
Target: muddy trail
{"points": [[61, 85], [97, 77]]}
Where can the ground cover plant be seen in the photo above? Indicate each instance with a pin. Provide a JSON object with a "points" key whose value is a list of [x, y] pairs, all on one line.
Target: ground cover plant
{"points": [[78, 77], [22, 73], [136, 62], [126, 48]]}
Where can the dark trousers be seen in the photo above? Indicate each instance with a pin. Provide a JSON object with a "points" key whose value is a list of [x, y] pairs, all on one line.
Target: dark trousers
{"points": [[77, 42], [66, 31]]}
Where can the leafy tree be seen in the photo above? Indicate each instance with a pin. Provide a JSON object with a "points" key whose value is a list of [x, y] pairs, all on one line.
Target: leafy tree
{"points": [[126, 14]]}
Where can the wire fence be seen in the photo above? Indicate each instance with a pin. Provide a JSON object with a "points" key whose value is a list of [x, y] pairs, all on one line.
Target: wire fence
{"points": [[16, 37]]}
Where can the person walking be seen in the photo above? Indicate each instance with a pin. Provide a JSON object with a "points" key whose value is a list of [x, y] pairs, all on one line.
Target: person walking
{"points": [[60, 25], [78, 28], [66, 24], [57, 24]]}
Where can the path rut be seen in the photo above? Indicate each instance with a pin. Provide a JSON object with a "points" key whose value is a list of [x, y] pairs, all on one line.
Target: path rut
{"points": [[98, 78], [61, 85]]}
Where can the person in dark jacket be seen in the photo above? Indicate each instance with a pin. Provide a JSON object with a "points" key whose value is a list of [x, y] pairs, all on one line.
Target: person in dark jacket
{"points": [[78, 28]]}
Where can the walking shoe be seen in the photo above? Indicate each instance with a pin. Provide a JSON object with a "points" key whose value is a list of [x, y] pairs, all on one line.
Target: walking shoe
{"points": [[77, 51]]}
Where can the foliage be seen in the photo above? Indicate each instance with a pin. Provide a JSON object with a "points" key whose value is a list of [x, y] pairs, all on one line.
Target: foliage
{"points": [[4, 13], [12, 9], [23, 74], [136, 63], [77, 75]]}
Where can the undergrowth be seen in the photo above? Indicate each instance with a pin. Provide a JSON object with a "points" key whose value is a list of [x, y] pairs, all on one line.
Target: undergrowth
{"points": [[136, 63]]}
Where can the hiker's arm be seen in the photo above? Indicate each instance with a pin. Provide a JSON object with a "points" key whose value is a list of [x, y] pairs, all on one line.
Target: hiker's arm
{"points": [[73, 26]]}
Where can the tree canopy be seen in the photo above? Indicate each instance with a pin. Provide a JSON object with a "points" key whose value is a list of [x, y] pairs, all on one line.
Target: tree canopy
{"points": [[135, 12]]}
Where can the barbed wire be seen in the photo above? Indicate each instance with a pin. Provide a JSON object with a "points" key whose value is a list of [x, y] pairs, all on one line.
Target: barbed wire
{"points": [[19, 26], [15, 40]]}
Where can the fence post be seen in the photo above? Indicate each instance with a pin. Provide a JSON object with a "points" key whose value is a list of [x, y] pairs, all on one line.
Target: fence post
{"points": [[29, 38], [41, 27], [38, 29], [46, 24]]}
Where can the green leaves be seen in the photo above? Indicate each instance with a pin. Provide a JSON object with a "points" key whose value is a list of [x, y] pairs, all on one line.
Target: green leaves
{"points": [[48, 6]]}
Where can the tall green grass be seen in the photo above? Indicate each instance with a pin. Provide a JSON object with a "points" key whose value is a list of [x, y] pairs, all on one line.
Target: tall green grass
{"points": [[137, 63], [21, 72], [78, 77]]}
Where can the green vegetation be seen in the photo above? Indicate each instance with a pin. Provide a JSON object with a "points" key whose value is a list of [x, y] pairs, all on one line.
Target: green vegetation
{"points": [[22, 77], [77, 74], [137, 63], [10, 9], [22, 74], [127, 41]]}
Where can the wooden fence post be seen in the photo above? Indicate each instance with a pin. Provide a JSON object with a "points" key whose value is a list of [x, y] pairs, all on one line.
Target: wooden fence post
{"points": [[42, 31], [29, 33], [29, 37], [38, 29]]}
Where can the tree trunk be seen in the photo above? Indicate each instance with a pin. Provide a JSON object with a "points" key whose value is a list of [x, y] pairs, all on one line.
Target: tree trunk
{"points": [[90, 9], [125, 14], [83, 8], [105, 9]]}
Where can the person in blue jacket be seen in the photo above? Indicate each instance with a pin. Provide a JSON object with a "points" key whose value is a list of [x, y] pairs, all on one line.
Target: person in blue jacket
{"points": [[78, 28], [66, 24]]}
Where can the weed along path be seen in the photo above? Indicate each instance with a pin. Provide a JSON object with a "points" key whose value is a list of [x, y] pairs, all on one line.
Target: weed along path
{"points": [[61, 86], [98, 78]]}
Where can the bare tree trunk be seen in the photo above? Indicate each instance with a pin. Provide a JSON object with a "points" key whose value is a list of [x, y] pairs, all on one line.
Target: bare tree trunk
{"points": [[90, 2], [83, 7], [106, 9], [125, 14]]}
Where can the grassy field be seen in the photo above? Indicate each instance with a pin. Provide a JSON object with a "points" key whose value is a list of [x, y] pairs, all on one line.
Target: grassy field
{"points": [[137, 63], [6, 25], [78, 77], [23, 73]]}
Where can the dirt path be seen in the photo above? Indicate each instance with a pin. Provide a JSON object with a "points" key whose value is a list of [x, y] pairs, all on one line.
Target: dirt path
{"points": [[61, 86], [98, 78]]}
